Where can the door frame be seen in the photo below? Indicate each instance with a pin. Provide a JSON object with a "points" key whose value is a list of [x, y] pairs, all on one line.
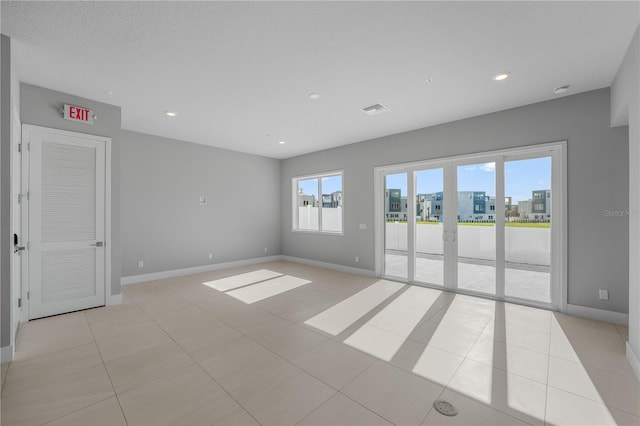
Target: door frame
{"points": [[557, 150], [16, 219], [26, 161]]}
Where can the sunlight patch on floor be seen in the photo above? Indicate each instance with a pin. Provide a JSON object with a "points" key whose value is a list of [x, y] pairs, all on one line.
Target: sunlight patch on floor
{"points": [[383, 335], [337, 318], [263, 290], [241, 280]]}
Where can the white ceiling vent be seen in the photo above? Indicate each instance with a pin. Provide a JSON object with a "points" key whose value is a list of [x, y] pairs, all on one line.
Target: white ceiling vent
{"points": [[374, 109]]}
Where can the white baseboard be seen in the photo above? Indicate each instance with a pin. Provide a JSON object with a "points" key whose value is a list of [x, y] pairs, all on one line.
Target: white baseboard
{"points": [[6, 353], [132, 279], [332, 266], [634, 360], [598, 314], [114, 299]]}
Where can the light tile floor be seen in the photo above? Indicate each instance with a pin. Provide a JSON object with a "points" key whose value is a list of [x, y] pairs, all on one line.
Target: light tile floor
{"points": [[179, 352]]}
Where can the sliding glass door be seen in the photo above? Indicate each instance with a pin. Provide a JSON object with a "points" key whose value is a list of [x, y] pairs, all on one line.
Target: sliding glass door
{"points": [[478, 224]]}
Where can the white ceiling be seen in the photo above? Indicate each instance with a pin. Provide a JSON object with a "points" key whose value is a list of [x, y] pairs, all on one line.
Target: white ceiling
{"points": [[239, 73]]}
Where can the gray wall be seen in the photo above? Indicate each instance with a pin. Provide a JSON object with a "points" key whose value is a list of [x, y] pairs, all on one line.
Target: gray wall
{"points": [[5, 190], [40, 106], [597, 180], [163, 223]]}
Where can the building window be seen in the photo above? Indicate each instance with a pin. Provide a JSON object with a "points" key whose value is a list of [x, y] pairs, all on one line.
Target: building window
{"points": [[317, 203]]}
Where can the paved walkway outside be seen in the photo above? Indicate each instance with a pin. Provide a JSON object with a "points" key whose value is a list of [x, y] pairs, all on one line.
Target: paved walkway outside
{"points": [[532, 282]]}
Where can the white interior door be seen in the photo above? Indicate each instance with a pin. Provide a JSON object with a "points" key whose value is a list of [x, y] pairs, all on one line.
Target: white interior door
{"points": [[66, 221]]}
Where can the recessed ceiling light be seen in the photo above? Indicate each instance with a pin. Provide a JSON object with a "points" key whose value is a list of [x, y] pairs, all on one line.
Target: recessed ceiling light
{"points": [[170, 113], [314, 96], [429, 80], [501, 76], [108, 92], [561, 89], [282, 142]]}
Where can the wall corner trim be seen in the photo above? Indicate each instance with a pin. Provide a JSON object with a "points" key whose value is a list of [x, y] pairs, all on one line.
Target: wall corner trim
{"points": [[634, 360], [6, 354], [598, 314], [114, 299], [332, 266]]}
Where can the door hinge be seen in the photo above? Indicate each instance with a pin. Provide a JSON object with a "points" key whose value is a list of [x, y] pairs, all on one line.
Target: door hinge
{"points": [[19, 302], [28, 245], [28, 295], [19, 147], [29, 146]]}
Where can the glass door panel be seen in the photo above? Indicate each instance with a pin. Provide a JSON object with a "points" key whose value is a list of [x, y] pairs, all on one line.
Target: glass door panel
{"points": [[429, 261], [475, 234], [395, 232], [528, 229]]}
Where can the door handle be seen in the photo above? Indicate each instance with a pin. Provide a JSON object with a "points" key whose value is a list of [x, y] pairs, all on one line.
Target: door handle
{"points": [[17, 249], [98, 244], [444, 236]]}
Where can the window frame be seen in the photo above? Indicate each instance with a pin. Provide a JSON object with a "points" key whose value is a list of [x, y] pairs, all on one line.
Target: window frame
{"points": [[294, 202]]}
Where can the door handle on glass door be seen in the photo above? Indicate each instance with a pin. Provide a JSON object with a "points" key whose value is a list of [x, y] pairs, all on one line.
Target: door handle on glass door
{"points": [[98, 244]]}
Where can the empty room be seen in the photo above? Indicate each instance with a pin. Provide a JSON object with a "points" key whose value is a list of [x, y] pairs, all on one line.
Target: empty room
{"points": [[320, 213]]}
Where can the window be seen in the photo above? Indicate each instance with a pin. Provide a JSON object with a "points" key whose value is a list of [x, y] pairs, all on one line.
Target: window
{"points": [[317, 203]]}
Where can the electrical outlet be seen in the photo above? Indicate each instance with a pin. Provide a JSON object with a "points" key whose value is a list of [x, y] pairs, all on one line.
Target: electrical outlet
{"points": [[140, 264], [603, 294], [357, 259], [210, 255]]}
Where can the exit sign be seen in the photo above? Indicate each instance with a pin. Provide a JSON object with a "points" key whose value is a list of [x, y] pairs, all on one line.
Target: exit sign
{"points": [[76, 113]]}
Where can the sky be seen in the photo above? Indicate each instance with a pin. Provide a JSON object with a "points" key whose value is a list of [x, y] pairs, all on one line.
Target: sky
{"points": [[329, 185], [521, 177]]}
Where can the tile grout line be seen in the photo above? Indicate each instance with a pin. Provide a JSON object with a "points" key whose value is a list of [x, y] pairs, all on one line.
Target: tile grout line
{"points": [[207, 373], [124, 416], [546, 388], [251, 339]]}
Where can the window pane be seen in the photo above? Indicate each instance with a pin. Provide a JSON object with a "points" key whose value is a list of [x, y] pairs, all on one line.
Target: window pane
{"points": [[476, 227], [332, 203], [429, 226], [395, 212], [528, 229], [308, 204]]}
